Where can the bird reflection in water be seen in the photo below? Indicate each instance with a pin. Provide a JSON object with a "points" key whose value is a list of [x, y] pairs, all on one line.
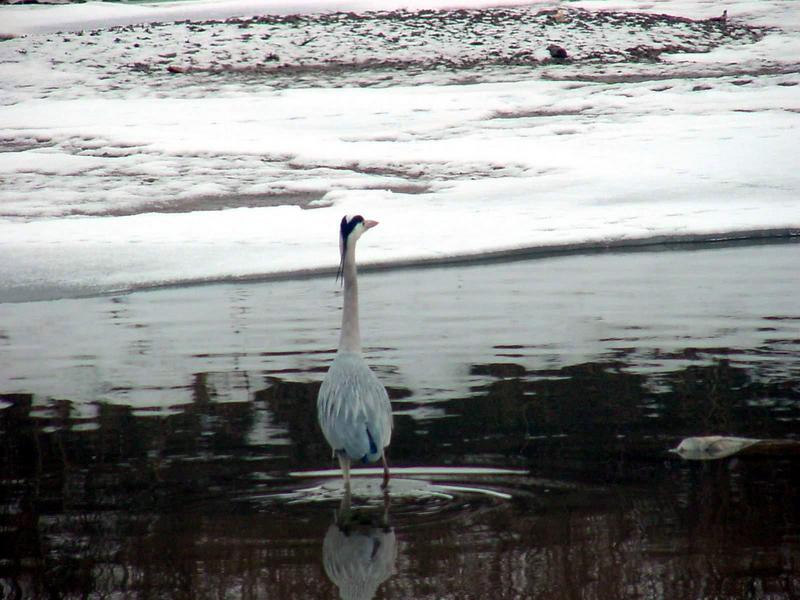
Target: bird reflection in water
{"points": [[360, 550]]}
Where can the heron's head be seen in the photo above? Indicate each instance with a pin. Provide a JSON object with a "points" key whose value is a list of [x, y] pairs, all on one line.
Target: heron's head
{"points": [[350, 230]]}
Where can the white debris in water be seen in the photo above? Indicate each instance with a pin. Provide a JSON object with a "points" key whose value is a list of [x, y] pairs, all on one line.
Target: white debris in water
{"points": [[712, 447]]}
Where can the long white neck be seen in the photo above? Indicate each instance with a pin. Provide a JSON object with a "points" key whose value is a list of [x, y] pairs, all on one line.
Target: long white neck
{"points": [[350, 337]]}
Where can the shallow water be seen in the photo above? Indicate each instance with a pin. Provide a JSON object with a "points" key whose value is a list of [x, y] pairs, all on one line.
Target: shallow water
{"points": [[164, 444]]}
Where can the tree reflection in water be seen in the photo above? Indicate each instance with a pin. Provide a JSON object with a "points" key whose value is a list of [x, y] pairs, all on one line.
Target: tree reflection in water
{"points": [[182, 505]]}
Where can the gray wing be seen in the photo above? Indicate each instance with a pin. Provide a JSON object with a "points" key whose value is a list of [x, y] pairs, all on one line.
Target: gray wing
{"points": [[353, 409]]}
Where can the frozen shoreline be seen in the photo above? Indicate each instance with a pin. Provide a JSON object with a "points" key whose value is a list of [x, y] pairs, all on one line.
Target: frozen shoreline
{"points": [[36, 292], [422, 327]]}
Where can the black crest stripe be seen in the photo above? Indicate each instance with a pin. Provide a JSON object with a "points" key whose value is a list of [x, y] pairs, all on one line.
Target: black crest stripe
{"points": [[345, 229], [347, 226]]}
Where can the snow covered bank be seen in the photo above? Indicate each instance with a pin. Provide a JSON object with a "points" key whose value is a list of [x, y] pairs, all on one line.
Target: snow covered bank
{"points": [[22, 19], [94, 15], [114, 164]]}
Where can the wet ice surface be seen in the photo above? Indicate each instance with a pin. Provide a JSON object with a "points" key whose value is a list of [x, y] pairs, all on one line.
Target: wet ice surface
{"points": [[189, 151], [164, 442]]}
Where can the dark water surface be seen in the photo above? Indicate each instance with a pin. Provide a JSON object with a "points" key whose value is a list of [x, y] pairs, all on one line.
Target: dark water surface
{"points": [[158, 444]]}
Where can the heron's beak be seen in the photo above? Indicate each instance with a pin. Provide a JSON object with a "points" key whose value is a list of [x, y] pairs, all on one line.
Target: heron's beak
{"points": [[370, 224]]}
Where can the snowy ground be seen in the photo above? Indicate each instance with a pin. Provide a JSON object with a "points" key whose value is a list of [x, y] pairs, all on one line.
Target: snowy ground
{"points": [[137, 155]]}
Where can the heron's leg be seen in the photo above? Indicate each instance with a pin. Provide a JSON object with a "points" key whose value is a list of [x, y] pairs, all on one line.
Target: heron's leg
{"points": [[344, 463], [343, 516], [385, 483], [386, 504]]}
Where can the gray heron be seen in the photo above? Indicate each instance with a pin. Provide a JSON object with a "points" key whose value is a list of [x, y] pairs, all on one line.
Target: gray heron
{"points": [[353, 407]]}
